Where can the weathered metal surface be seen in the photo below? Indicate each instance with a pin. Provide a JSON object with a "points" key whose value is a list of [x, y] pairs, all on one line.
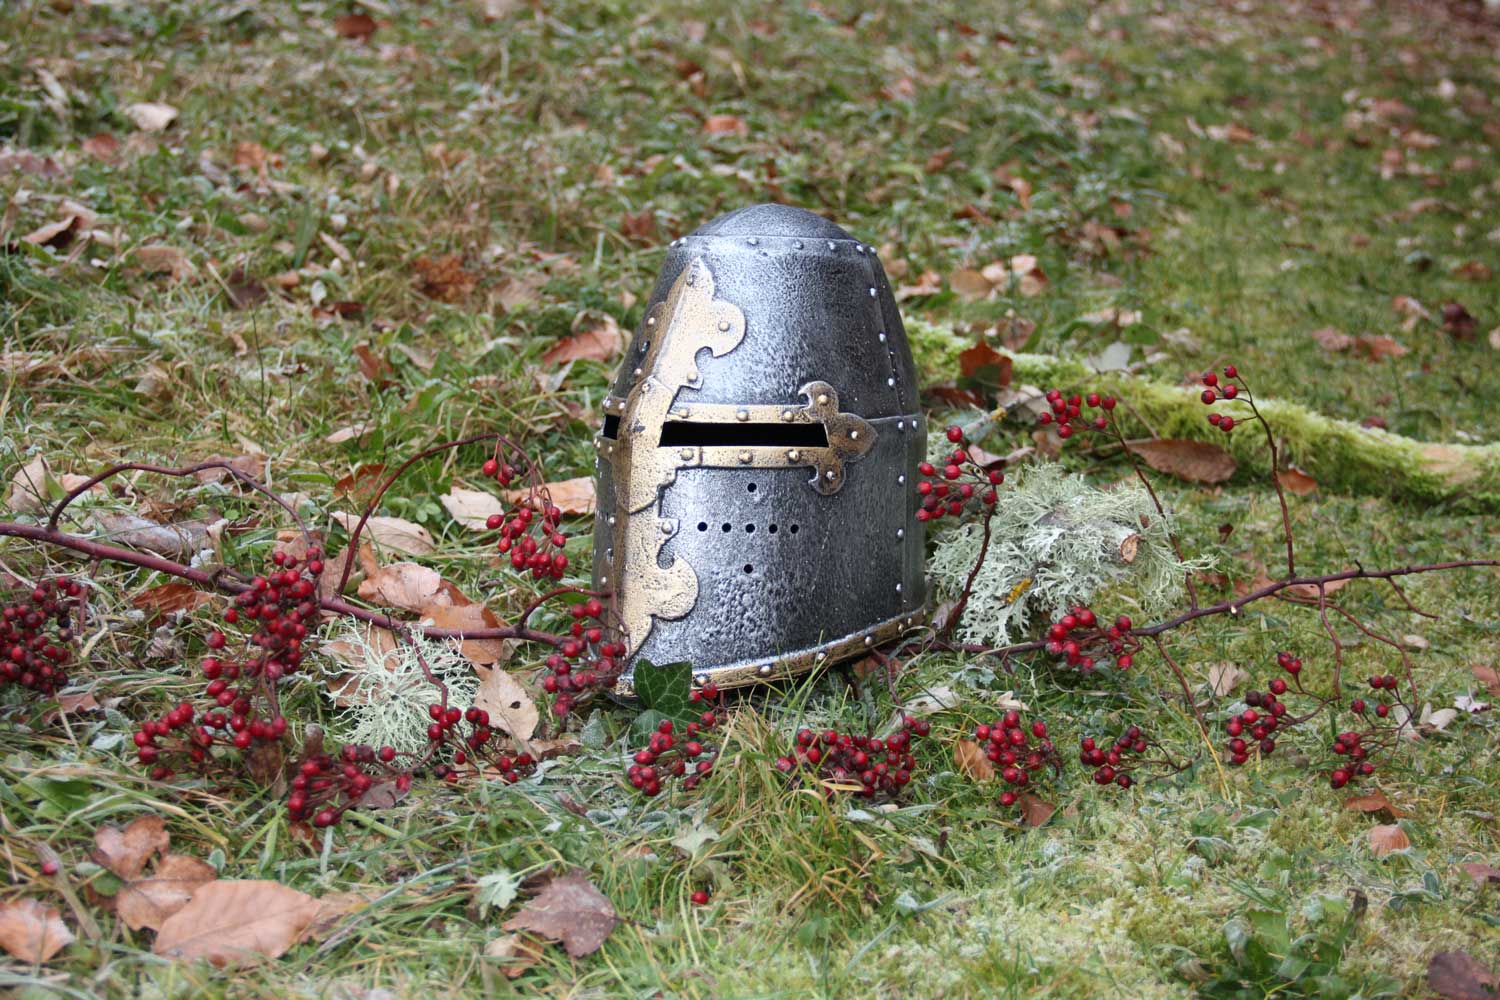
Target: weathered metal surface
{"points": [[755, 496]]}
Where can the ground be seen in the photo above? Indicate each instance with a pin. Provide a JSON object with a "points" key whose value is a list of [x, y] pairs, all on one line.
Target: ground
{"points": [[385, 232]]}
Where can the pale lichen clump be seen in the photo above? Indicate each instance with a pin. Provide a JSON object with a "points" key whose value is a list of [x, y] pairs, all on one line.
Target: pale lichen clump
{"points": [[1055, 542], [384, 692]]}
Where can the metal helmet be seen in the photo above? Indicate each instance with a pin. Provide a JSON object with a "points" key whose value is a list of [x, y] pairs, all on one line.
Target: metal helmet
{"points": [[755, 468]]}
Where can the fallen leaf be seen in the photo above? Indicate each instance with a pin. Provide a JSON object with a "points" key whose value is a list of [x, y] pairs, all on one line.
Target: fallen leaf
{"points": [[1416, 643], [928, 283], [166, 598], [973, 362], [151, 116], [126, 851], [23, 161], [1195, 461], [511, 708], [157, 258], [1457, 975], [471, 618], [1294, 480], [1438, 720], [1331, 339], [57, 234], [1130, 546], [349, 433], [233, 921], [1373, 802], [1387, 838], [971, 760], [1225, 677], [444, 278], [1488, 677], [148, 902], [358, 27], [103, 147], [28, 487], [1481, 873], [725, 125], [571, 910], [80, 701], [1035, 811], [969, 285], [392, 533], [515, 952], [575, 497], [175, 541], [31, 932], [472, 508], [409, 586], [1473, 270], [1458, 322], [372, 366], [1377, 347], [598, 338]]}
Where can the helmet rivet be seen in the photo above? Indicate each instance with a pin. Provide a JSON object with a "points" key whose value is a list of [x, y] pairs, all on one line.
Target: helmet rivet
{"points": [[753, 241], [686, 453], [701, 680], [794, 454], [637, 373], [650, 320], [666, 529], [900, 480], [723, 325], [891, 382], [822, 656], [742, 414], [797, 244], [882, 336], [764, 670], [898, 588], [900, 533], [854, 435], [869, 640], [830, 474], [859, 248], [831, 245], [822, 399], [787, 414], [873, 293], [603, 580], [745, 456], [611, 519]]}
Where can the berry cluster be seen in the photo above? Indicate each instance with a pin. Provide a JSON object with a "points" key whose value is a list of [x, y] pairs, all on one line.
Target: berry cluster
{"points": [[325, 787], [1077, 639], [590, 660], [469, 754], [865, 765], [1065, 410], [35, 632], [1007, 742], [960, 484], [1259, 721], [665, 756], [1353, 746], [1115, 764], [243, 707], [1378, 682], [1214, 391]]}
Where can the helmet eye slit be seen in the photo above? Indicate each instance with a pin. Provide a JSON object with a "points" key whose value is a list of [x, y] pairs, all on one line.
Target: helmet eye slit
{"points": [[703, 434]]}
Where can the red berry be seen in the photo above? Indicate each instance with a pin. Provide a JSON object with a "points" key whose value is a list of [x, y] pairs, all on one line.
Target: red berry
{"points": [[700, 898], [955, 434]]}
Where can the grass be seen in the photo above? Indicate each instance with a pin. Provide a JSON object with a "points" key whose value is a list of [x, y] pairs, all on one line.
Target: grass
{"points": [[529, 146]]}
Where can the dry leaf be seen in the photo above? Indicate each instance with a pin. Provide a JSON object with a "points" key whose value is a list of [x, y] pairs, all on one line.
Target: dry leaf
{"points": [[969, 285], [971, 760], [1457, 975], [445, 278], [1377, 347], [598, 339], [1331, 339], [392, 533], [28, 487], [350, 433], [126, 851], [233, 921], [1034, 811], [1294, 480], [1387, 838], [1373, 802], [472, 508], [1195, 461], [571, 910], [575, 497], [725, 125], [148, 902], [175, 541], [358, 27], [158, 258], [31, 932], [511, 708], [150, 116], [981, 356], [1481, 873], [471, 618], [1488, 677], [515, 952], [166, 598], [410, 586], [1225, 677], [1458, 321]]}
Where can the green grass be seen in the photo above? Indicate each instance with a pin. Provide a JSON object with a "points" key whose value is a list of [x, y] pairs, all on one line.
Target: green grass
{"points": [[522, 146]]}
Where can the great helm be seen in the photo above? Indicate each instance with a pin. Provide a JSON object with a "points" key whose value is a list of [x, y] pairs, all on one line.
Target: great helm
{"points": [[755, 468]]}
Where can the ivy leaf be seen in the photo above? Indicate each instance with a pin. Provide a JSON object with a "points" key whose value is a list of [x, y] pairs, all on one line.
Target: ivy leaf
{"points": [[666, 689]]}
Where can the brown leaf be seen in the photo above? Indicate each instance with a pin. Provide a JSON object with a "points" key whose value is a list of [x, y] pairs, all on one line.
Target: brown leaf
{"points": [[1387, 838], [1034, 811], [1195, 461], [56, 234], [1473, 270], [969, 284], [639, 228], [575, 497], [511, 708], [971, 760], [445, 278], [1457, 975], [981, 356], [725, 125], [1377, 347], [1331, 339], [23, 161], [392, 533], [371, 365], [571, 910], [175, 541], [928, 283], [1225, 677], [1488, 677], [362, 483], [103, 147], [158, 258], [28, 487], [126, 851], [358, 27], [234, 921], [151, 116], [1373, 802], [472, 508], [409, 586], [514, 952], [471, 618], [1294, 480], [1481, 873], [599, 338], [148, 902], [1309, 591], [32, 932], [1458, 322], [166, 598]]}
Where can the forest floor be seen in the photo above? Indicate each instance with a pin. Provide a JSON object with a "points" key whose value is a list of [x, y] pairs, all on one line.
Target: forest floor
{"points": [[322, 241]]}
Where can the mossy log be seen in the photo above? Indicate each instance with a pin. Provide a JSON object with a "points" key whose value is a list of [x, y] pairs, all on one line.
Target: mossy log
{"points": [[1342, 456]]}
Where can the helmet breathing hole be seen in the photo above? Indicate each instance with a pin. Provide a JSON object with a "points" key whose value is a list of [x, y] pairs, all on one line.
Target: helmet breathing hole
{"points": [[750, 488], [772, 529], [750, 529], [728, 527], [702, 525], [749, 568], [794, 529]]}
